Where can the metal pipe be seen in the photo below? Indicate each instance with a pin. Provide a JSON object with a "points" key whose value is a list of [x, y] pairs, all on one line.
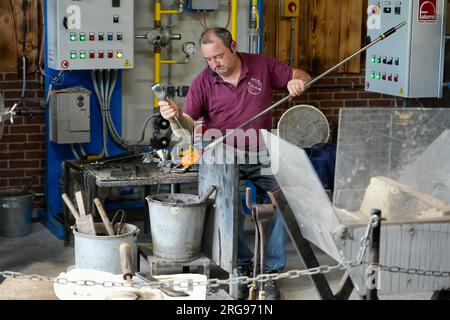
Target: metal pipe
{"points": [[171, 62], [157, 72], [291, 58], [307, 86], [234, 13]]}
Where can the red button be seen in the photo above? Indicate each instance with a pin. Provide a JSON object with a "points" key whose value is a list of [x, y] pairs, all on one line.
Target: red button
{"points": [[92, 37], [384, 76], [396, 78], [101, 55], [92, 55], [390, 77], [110, 55]]}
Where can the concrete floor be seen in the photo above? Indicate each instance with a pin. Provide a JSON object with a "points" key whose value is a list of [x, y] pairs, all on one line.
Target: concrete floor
{"points": [[41, 253]]}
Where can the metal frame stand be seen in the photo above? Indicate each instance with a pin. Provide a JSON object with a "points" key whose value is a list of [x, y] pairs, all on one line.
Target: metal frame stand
{"points": [[306, 253]]}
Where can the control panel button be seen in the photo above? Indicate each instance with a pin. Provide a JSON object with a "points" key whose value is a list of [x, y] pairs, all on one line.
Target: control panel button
{"points": [[91, 54], [91, 36], [83, 55], [73, 36], [101, 54], [116, 18], [82, 36], [101, 36], [119, 36], [73, 54], [390, 77], [110, 54], [383, 77], [396, 78], [397, 61], [110, 36], [119, 54]]}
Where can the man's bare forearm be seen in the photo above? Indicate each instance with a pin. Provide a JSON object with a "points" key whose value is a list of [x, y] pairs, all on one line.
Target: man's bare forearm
{"points": [[301, 75]]}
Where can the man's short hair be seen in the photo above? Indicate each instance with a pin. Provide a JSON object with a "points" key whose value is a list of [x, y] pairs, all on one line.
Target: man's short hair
{"points": [[223, 34]]}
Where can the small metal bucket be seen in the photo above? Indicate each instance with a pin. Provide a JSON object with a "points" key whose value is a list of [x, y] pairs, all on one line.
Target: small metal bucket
{"points": [[102, 252], [15, 213], [176, 222]]}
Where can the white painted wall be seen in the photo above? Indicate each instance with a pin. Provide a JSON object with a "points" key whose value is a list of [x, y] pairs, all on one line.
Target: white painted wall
{"points": [[137, 97]]}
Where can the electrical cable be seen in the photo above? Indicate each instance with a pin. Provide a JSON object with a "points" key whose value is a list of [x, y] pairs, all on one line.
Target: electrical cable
{"points": [[24, 76]]}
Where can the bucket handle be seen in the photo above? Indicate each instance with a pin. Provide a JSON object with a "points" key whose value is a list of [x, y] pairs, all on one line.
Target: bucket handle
{"points": [[135, 234]]}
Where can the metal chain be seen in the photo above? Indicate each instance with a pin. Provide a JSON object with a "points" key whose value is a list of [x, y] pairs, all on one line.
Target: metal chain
{"points": [[214, 283], [373, 222]]}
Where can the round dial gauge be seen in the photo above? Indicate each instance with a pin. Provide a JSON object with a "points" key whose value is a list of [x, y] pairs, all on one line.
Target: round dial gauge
{"points": [[189, 48]]}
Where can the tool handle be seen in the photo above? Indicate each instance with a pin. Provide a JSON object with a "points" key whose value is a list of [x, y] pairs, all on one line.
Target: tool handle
{"points": [[71, 207], [126, 263], [104, 217], [206, 195], [28, 185], [80, 204]]}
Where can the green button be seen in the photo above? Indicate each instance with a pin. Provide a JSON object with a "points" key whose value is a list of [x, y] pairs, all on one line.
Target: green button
{"points": [[378, 76], [73, 55], [83, 37], [372, 75], [73, 37], [83, 55]]}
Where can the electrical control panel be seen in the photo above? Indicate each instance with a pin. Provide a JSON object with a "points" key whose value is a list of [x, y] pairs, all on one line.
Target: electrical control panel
{"points": [[90, 34], [290, 8], [197, 5], [70, 116], [409, 63]]}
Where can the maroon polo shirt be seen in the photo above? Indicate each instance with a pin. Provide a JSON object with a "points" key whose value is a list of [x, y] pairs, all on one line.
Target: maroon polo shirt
{"points": [[224, 106]]}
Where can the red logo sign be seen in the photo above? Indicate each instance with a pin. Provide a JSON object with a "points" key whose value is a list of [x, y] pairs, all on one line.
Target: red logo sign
{"points": [[428, 11]]}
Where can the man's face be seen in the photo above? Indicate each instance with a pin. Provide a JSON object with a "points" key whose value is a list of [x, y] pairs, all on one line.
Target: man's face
{"points": [[220, 59]]}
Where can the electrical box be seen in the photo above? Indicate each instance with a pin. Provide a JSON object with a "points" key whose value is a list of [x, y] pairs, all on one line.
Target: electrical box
{"points": [[409, 63], [70, 116], [290, 8], [203, 5], [90, 34]]}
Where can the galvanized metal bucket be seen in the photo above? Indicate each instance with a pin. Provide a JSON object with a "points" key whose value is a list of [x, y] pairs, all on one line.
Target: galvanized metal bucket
{"points": [[176, 222], [102, 252], [15, 213]]}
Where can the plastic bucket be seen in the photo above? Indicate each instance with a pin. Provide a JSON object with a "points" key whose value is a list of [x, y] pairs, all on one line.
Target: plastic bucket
{"points": [[102, 252], [15, 213], [176, 222]]}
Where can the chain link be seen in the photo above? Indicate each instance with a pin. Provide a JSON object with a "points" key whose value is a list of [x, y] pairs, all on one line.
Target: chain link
{"points": [[215, 283]]}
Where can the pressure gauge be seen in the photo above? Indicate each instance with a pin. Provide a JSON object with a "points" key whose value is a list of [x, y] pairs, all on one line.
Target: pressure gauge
{"points": [[189, 48]]}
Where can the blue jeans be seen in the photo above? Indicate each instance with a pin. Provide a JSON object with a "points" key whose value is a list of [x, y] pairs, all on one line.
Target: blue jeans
{"points": [[276, 258]]}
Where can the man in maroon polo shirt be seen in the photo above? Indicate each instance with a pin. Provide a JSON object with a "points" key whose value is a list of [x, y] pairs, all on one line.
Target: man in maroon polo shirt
{"points": [[232, 89]]}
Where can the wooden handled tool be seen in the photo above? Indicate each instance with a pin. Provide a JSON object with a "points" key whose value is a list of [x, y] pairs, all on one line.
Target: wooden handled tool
{"points": [[71, 207], [126, 262], [104, 217], [85, 222]]}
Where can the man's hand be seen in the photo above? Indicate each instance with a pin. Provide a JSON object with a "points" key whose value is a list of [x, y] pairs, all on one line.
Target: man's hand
{"points": [[169, 110], [296, 87]]}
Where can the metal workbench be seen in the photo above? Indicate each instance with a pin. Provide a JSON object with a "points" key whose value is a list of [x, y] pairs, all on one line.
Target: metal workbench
{"points": [[130, 172]]}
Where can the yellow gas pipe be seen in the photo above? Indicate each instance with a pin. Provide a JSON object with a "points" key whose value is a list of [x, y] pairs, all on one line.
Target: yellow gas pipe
{"points": [[234, 12], [158, 61]]}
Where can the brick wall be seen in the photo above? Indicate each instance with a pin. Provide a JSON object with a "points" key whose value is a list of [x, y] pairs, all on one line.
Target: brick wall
{"points": [[22, 146], [329, 97]]}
